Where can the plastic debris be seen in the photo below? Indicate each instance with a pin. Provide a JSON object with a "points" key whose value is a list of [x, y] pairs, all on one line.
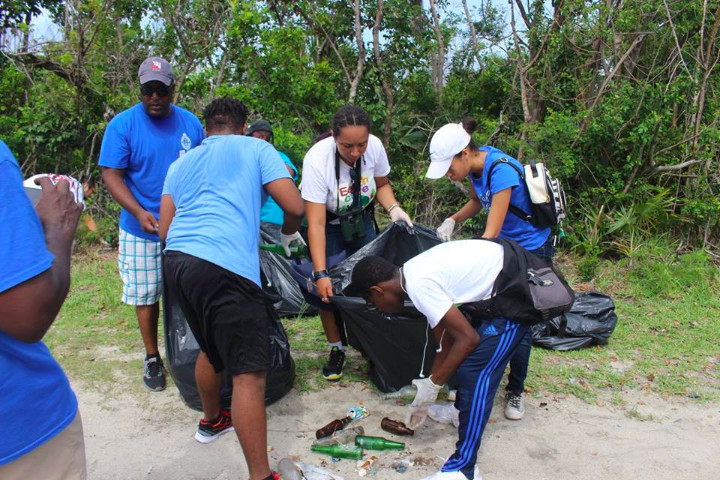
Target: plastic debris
{"points": [[289, 470], [401, 465], [363, 466], [358, 413], [311, 472]]}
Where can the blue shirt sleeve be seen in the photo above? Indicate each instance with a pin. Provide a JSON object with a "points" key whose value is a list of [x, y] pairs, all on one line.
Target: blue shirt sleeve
{"points": [[115, 148], [22, 240], [289, 163], [272, 166], [502, 177]]}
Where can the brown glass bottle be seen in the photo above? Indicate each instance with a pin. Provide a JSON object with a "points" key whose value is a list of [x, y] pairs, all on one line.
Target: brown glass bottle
{"points": [[332, 427], [396, 427]]}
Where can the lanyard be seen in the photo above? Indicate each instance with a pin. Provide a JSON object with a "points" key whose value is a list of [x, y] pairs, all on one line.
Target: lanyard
{"points": [[356, 182]]}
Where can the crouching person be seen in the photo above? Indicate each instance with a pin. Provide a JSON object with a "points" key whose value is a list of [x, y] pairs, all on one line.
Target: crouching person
{"points": [[210, 218], [436, 280]]}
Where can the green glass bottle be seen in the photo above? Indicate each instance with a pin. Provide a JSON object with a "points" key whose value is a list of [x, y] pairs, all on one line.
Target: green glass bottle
{"points": [[339, 451], [377, 443], [296, 251]]}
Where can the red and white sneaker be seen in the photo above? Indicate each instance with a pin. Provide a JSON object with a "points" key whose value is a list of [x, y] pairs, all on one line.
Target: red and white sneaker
{"points": [[210, 431]]}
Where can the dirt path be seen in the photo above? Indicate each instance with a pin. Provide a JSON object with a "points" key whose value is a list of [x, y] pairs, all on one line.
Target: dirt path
{"points": [[150, 437]]}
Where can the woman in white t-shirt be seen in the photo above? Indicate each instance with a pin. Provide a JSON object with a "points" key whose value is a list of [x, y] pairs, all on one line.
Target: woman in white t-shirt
{"points": [[342, 177]]}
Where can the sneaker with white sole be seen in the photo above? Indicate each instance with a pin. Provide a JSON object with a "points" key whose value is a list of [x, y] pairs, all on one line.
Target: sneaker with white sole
{"points": [[445, 413], [515, 406], [454, 475], [333, 370], [210, 431], [153, 373]]}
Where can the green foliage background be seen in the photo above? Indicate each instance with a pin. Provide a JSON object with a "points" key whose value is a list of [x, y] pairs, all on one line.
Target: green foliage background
{"points": [[620, 101]]}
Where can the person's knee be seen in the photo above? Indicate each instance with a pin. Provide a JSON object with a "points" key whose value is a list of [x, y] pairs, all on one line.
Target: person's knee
{"points": [[250, 381]]}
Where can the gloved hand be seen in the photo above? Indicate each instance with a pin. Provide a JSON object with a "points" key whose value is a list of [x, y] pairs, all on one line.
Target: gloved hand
{"points": [[426, 395], [397, 214], [445, 230], [287, 240]]}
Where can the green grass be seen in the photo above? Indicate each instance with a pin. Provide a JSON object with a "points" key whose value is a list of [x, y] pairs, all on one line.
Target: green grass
{"points": [[666, 340]]}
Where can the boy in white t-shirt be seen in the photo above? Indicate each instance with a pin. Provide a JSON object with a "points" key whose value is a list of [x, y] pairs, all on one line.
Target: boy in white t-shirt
{"points": [[436, 281]]}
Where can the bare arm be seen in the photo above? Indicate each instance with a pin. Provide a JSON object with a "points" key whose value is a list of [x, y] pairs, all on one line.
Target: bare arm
{"points": [[470, 209], [385, 194], [287, 196], [28, 309], [114, 181], [459, 341], [167, 213], [497, 213]]}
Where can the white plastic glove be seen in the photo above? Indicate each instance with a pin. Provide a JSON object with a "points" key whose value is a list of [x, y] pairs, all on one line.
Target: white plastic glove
{"points": [[397, 214], [445, 230], [287, 240], [426, 395]]}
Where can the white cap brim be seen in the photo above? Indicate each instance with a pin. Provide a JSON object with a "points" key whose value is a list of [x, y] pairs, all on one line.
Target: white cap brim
{"points": [[438, 169]]}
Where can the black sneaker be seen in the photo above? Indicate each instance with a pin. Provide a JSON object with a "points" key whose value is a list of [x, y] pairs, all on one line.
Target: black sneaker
{"points": [[154, 377], [210, 431], [332, 371]]}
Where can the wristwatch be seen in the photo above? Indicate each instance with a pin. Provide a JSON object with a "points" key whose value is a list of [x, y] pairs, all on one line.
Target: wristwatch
{"points": [[318, 274]]}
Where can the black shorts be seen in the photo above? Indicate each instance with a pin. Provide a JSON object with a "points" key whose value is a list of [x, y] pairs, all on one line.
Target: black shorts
{"points": [[227, 313]]}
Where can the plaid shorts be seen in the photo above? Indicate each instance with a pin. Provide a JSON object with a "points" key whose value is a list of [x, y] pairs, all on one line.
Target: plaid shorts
{"points": [[140, 264]]}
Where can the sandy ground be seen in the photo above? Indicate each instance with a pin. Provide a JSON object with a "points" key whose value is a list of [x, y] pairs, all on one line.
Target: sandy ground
{"points": [[151, 437]]}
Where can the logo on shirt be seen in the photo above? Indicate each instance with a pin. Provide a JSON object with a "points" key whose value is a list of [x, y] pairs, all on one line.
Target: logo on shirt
{"points": [[490, 331], [185, 141]]}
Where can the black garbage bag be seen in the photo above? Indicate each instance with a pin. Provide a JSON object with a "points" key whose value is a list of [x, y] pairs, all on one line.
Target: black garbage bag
{"points": [[278, 280], [181, 351], [398, 347], [590, 321]]}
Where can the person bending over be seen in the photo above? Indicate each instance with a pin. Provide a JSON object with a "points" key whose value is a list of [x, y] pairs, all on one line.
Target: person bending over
{"points": [[477, 350], [210, 218]]}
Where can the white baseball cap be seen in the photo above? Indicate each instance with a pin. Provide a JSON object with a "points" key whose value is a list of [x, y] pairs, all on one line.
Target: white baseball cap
{"points": [[447, 142]]}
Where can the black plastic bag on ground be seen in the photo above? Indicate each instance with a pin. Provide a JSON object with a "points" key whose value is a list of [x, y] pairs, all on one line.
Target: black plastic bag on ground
{"points": [[181, 351], [590, 321], [398, 347]]}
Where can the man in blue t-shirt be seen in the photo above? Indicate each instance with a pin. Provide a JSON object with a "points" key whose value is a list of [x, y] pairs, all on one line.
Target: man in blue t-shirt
{"points": [[40, 427], [138, 147], [271, 214], [210, 218]]}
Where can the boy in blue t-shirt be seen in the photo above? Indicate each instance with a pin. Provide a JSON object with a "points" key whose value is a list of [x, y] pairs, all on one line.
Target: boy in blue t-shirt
{"points": [[40, 427], [210, 218], [138, 147]]}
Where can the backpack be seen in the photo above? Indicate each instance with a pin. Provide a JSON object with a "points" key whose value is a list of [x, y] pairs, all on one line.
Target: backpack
{"points": [[527, 290], [547, 197]]}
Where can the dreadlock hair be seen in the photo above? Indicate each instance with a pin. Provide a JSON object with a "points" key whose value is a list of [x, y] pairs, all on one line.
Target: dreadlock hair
{"points": [[225, 111], [370, 271], [350, 115]]}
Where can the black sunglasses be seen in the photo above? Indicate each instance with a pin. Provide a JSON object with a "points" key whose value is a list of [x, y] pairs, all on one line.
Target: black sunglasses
{"points": [[161, 90]]}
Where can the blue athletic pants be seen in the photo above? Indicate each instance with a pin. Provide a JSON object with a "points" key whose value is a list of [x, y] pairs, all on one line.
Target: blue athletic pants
{"points": [[520, 361], [478, 379]]}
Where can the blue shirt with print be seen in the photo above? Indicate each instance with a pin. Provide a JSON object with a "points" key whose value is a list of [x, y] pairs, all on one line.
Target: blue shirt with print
{"points": [[36, 401], [271, 211], [504, 176], [217, 189], [145, 147]]}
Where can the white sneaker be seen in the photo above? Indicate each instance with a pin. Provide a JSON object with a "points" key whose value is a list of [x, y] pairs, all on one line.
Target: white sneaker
{"points": [[454, 475], [515, 406], [444, 413]]}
